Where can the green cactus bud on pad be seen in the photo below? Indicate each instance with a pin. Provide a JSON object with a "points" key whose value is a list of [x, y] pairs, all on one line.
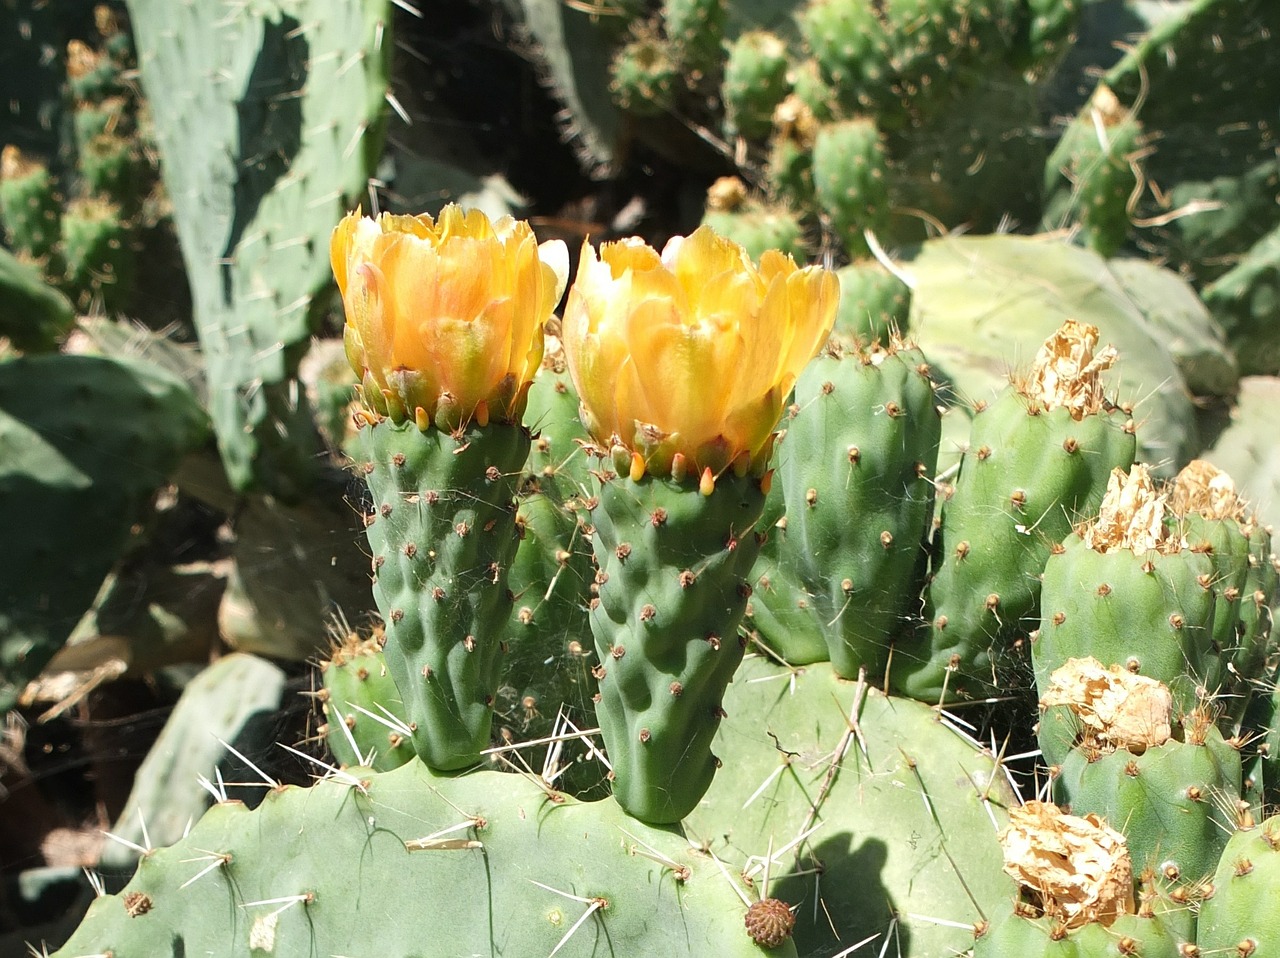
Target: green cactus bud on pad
{"points": [[29, 203], [850, 180], [362, 708], [755, 82]]}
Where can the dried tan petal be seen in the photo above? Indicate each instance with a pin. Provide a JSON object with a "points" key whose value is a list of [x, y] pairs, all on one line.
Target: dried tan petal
{"points": [[1131, 517], [1116, 708], [726, 193], [351, 645], [1078, 868], [1203, 489], [1106, 109], [1067, 373], [793, 119], [14, 164]]}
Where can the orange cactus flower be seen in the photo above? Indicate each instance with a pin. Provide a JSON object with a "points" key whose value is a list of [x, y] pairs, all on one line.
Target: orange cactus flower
{"points": [[445, 316], [686, 357]]}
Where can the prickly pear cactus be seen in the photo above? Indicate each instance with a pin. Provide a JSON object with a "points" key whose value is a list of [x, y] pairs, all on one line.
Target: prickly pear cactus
{"points": [[33, 316], [1073, 894], [442, 533], [1127, 588], [517, 871], [268, 133], [1091, 177], [1238, 917], [666, 629]]}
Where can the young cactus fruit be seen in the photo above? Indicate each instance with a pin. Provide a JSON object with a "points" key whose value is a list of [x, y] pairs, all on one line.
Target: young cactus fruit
{"points": [[1168, 783], [1038, 457], [1239, 920], [362, 707], [1126, 588], [682, 360], [861, 441], [1216, 521], [1097, 158], [444, 326]]}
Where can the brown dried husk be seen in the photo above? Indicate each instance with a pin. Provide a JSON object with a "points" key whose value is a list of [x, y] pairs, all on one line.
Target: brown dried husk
{"points": [[1067, 373], [1131, 517], [1077, 869], [1203, 489], [1116, 708]]}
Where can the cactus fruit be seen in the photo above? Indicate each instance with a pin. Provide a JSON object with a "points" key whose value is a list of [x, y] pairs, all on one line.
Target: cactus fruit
{"points": [[101, 261], [790, 167], [33, 316], [1175, 801], [516, 871], [756, 226], [1075, 894], [850, 180], [29, 204], [695, 29], [755, 82], [442, 533], [1098, 157], [1239, 918], [1215, 520], [363, 722], [1038, 457], [875, 304], [644, 75], [1095, 709], [1127, 588], [861, 440], [666, 629]]}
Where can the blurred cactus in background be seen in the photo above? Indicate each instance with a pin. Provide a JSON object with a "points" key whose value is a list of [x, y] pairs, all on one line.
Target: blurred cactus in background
{"points": [[675, 644]]}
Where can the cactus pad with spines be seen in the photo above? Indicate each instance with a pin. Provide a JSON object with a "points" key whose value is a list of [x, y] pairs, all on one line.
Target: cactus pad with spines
{"points": [[269, 132], [1038, 458], [511, 867]]}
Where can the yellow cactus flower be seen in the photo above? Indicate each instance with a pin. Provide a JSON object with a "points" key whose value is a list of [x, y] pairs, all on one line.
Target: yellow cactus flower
{"points": [[685, 358], [445, 316]]}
